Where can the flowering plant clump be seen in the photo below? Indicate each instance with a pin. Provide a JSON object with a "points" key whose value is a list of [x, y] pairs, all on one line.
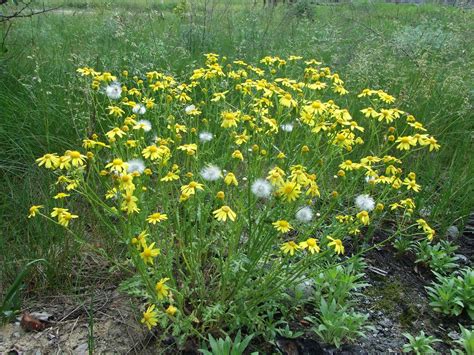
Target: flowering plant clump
{"points": [[233, 186]]}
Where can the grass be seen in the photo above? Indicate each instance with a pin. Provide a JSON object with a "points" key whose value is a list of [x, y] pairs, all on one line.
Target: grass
{"points": [[421, 54]]}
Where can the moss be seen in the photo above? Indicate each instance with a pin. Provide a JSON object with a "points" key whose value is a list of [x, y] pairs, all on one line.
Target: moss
{"points": [[388, 296], [408, 316]]}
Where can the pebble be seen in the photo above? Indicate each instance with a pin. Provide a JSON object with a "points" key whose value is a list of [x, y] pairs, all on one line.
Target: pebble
{"points": [[452, 232]]}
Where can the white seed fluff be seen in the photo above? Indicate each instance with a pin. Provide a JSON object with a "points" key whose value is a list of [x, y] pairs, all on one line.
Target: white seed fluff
{"points": [[261, 188], [145, 124], [136, 165], [365, 203], [287, 127], [189, 109], [114, 91], [211, 173], [368, 179], [205, 137], [304, 214], [139, 109]]}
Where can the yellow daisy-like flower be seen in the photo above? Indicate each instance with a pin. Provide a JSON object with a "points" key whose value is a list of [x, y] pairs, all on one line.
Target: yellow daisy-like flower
{"points": [[311, 244], [190, 189], [290, 247], [65, 217], [116, 111], [411, 185], [363, 216], [230, 179], [337, 245], [34, 210], [223, 213], [406, 142], [129, 203], [156, 218], [229, 119], [237, 154], [117, 165], [288, 101], [190, 149], [162, 290], [76, 158], [289, 191], [61, 195], [149, 253], [50, 161], [170, 176], [57, 211], [150, 317], [282, 226], [171, 310]]}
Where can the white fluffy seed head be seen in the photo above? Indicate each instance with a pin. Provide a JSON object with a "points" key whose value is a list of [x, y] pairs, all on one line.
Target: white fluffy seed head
{"points": [[211, 173], [145, 124], [205, 136], [365, 203], [287, 127], [189, 109], [136, 165], [114, 91], [304, 214], [368, 179], [261, 188], [139, 109]]}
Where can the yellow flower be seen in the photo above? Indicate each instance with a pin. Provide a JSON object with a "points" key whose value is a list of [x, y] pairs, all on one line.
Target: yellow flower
{"points": [[171, 310], [150, 317], [289, 247], [311, 244], [364, 217], [162, 289], [153, 152], [282, 226], [33, 210], [190, 149], [405, 142], [129, 203], [289, 191], [57, 211], [230, 179], [190, 189], [156, 218], [411, 184], [275, 176], [241, 138], [170, 176], [288, 101], [237, 155], [60, 195], [126, 182], [115, 132], [65, 217], [140, 240], [222, 213], [431, 142], [220, 195], [117, 165], [149, 253], [50, 161], [337, 244], [229, 119], [116, 111]]}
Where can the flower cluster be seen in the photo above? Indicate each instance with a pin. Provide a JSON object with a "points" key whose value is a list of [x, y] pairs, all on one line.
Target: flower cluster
{"points": [[240, 160]]}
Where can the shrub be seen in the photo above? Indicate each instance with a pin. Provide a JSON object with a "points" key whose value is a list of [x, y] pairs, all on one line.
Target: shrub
{"points": [[227, 188]]}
